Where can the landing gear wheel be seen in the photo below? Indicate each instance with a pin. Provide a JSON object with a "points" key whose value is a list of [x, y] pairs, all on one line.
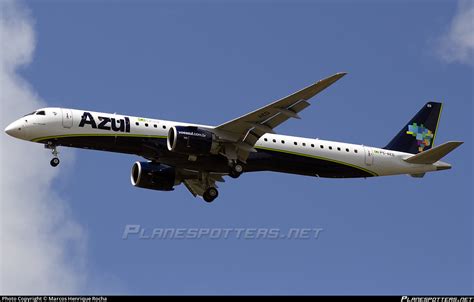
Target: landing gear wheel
{"points": [[236, 170], [234, 174], [54, 162], [210, 194]]}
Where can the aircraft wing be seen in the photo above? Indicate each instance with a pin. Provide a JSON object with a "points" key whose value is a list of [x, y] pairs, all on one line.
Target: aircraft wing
{"points": [[248, 128]]}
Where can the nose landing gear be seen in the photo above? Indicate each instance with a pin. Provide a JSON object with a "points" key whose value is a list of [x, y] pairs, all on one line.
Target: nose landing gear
{"points": [[55, 161]]}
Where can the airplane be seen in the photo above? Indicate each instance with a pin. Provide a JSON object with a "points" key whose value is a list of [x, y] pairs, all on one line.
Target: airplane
{"points": [[199, 156]]}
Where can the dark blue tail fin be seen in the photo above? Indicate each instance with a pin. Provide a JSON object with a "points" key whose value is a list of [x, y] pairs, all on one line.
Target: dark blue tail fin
{"points": [[419, 134]]}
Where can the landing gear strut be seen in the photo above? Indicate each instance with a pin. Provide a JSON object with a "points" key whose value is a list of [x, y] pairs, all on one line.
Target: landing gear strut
{"points": [[236, 169], [55, 161], [210, 194]]}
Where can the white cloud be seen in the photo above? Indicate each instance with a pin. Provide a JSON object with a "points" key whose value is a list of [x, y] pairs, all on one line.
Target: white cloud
{"points": [[42, 249], [457, 45]]}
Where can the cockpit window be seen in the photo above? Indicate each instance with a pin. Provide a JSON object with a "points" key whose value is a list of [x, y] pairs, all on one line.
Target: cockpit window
{"points": [[30, 113], [40, 112]]}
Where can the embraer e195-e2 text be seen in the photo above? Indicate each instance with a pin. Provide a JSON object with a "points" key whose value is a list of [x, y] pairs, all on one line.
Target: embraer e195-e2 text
{"points": [[199, 156]]}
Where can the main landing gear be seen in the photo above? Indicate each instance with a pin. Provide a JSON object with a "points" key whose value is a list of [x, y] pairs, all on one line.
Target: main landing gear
{"points": [[210, 194], [236, 169], [55, 161]]}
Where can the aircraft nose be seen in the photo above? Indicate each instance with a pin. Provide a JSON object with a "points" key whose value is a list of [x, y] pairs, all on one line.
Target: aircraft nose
{"points": [[15, 129]]}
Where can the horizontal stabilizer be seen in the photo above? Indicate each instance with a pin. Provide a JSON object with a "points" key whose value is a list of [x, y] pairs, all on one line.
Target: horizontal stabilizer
{"points": [[434, 154]]}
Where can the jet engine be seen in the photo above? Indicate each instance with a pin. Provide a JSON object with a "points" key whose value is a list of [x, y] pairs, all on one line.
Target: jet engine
{"points": [[154, 176], [191, 140]]}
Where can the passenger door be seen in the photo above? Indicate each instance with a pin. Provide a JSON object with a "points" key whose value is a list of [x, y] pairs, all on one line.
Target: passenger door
{"points": [[369, 156], [67, 118]]}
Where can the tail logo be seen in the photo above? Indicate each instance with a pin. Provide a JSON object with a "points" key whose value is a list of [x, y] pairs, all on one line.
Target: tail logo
{"points": [[423, 135]]}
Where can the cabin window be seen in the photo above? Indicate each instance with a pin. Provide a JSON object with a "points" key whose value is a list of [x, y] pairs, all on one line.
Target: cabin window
{"points": [[295, 143], [282, 142], [347, 149], [330, 147], [265, 139], [304, 144], [338, 148], [274, 140], [41, 112], [155, 125], [312, 145], [146, 124], [356, 151], [137, 123], [164, 127], [321, 146]]}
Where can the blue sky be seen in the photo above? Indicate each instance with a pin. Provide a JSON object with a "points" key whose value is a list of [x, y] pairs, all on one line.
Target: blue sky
{"points": [[208, 63]]}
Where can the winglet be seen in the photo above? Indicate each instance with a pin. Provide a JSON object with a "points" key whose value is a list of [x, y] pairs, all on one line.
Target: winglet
{"points": [[434, 154]]}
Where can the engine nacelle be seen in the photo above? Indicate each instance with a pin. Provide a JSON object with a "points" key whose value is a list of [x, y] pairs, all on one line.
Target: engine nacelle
{"points": [[190, 140], [149, 175]]}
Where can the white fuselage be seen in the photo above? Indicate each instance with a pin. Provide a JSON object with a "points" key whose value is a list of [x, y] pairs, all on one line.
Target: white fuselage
{"points": [[61, 122]]}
